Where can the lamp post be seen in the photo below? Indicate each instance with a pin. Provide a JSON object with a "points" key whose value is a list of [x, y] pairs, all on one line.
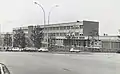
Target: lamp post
{"points": [[48, 16], [44, 14], [42, 10], [50, 12], [49, 20]]}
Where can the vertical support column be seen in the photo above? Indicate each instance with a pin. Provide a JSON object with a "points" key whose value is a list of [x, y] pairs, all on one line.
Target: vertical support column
{"points": [[12, 38]]}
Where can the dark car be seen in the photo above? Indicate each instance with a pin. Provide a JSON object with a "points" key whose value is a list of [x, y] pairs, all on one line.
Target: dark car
{"points": [[118, 51]]}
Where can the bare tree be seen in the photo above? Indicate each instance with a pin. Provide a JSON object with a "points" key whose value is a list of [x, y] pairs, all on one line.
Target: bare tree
{"points": [[19, 39], [37, 36], [7, 40]]}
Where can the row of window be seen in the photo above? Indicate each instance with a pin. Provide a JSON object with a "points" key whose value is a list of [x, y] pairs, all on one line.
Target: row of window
{"points": [[64, 27], [62, 34]]}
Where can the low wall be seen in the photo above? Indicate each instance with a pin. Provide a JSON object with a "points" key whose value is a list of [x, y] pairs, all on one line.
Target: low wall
{"points": [[84, 49]]}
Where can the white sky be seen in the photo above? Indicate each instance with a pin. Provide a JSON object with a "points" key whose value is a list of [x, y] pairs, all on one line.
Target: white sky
{"points": [[15, 13]]}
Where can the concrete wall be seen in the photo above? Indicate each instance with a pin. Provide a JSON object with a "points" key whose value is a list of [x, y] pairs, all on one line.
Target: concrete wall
{"points": [[111, 44], [89, 26], [30, 28]]}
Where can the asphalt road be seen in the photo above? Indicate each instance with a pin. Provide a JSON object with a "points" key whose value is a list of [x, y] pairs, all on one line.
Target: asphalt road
{"points": [[48, 63]]}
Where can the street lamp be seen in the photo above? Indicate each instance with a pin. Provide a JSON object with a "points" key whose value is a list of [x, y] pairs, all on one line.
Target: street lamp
{"points": [[50, 12], [49, 18], [43, 11]]}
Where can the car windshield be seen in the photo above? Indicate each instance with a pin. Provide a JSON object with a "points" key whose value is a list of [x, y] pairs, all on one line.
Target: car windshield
{"points": [[60, 36], [0, 71], [5, 70]]}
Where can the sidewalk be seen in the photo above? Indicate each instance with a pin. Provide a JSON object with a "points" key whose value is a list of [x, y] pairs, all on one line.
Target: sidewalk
{"points": [[71, 52]]}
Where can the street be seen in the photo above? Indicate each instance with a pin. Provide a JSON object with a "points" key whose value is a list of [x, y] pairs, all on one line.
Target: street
{"points": [[53, 63]]}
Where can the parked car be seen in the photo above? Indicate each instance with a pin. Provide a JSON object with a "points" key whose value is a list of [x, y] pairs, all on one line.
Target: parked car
{"points": [[74, 50], [15, 49], [118, 51], [21, 49], [43, 50], [30, 49], [9, 49], [95, 49]]}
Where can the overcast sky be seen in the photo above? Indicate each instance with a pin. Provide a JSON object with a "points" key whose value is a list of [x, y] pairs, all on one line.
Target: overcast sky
{"points": [[15, 13]]}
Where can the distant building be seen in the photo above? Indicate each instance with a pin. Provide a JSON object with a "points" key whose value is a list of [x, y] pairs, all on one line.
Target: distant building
{"points": [[2, 35], [107, 43], [25, 29], [28, 31], [110, 43]]}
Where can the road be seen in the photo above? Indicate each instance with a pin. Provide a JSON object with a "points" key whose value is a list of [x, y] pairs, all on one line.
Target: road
{"points": [[48, 63]]}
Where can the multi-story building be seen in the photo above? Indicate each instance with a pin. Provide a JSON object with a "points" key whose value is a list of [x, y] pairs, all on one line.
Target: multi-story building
{"points": [[78, 34], [59, 31], [28, 31], [25, 29], [2, 43], [78, 30]]}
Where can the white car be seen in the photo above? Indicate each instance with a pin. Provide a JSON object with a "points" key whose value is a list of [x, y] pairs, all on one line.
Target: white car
{"points": [[43, 50], [15, 49], [74, 50], [31, 49]]}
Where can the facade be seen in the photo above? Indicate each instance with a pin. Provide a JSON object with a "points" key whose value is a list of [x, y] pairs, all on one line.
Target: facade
{"points": [[57, 33], [78, 29], [89, 27], [28, 31], [110, 43], [25, 29], [107, 43], [2, 35], [78, 34]]}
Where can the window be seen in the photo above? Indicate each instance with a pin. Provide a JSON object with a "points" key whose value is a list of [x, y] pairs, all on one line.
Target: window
{"points": [[76, 27], [56, 28], [71, 27], [60, 34], [79, 43], [48, 34], [68, 27], [57, 34], [50, 28], [45, 28], [76, 33], [61, 27], [81, 26], [65, 27], [64, 34]]}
